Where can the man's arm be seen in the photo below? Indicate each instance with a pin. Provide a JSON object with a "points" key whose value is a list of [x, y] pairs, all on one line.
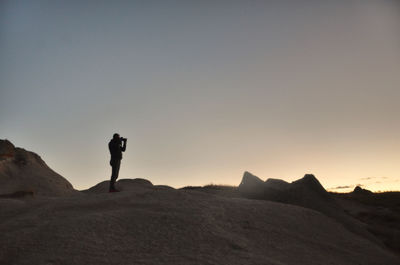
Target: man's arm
{"points": [[123, 148]]}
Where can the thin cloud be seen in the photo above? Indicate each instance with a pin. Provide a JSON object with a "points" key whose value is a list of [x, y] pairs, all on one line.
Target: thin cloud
{"points": [[371, 178], [346, 187], [341, 187]]}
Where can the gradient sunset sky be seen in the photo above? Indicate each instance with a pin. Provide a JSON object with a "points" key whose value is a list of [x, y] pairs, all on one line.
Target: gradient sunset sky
{"points": [[205, 90]]}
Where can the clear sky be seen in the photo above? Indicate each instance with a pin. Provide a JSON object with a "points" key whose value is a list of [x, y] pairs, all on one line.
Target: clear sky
{"points": [[205, 90]]}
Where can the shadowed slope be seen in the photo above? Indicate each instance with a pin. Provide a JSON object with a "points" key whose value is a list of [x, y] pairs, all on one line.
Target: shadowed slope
{"points": [[380, 211]]}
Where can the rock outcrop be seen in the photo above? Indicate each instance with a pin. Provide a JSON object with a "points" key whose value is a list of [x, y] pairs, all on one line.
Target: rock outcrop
{"points": [[251, 185], [360, 191], [306, 192], [25, 171], [122, 185], [7, 149]]}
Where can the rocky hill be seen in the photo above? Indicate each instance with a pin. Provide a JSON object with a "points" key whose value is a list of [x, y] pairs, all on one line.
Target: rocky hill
{"points": [[24, 171], [306, 192]]}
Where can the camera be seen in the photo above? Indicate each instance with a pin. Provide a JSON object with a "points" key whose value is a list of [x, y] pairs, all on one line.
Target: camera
{"points": [[123, 139]]}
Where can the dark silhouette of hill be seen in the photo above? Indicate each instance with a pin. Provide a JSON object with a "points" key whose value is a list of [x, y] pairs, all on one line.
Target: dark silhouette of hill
{"points": [[220, 190], [379, 211], [306, 192], [24, 171], [122, 184], [149, 224], [125, 185], [360, 191], [251, 186]]}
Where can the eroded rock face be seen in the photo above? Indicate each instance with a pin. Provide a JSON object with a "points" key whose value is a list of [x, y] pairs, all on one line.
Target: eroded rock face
{"points": [[250, 180], [22, 170], [7, 150], [310, 182], [306, 192], [251, 185], [278, 184]]}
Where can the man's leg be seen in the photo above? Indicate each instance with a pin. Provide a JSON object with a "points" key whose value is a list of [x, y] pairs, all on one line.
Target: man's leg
{"points": [[114, 173]]}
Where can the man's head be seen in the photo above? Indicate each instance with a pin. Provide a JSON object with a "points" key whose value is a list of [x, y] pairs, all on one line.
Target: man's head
{"points": [[116, 136]]}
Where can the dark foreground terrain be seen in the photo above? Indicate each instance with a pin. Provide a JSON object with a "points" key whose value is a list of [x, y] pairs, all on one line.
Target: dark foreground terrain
{"points": [[379, 211], [43, 220], [146, 224]]}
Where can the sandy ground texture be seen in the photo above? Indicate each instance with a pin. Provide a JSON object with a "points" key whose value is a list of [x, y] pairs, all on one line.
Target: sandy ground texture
{"points": [[146, 224]]}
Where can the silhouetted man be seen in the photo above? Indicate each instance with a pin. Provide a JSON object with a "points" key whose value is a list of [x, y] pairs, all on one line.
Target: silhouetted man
{"points": [[116, 148]]}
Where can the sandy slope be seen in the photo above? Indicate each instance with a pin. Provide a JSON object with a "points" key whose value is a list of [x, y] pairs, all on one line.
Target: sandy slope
{"points": [[144, 224]]}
